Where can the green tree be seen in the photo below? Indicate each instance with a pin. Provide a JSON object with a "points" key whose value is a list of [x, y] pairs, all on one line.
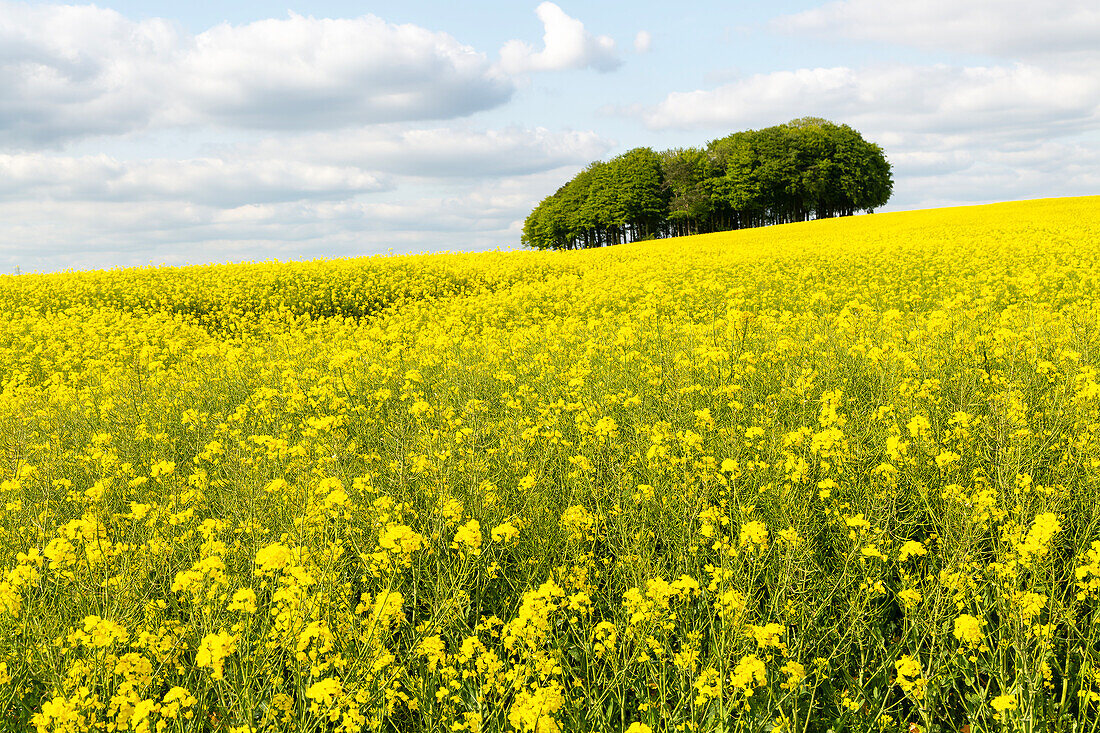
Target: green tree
{"points": [[736, 187], [685, 173], [600, 212], [808, 168], [641, 202]]}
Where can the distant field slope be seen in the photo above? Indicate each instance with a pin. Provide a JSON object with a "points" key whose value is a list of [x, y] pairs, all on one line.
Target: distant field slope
{"points": [[828, 476]]}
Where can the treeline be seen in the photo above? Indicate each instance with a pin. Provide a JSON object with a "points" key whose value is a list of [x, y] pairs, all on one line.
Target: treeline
{"points": [[809, 168]]}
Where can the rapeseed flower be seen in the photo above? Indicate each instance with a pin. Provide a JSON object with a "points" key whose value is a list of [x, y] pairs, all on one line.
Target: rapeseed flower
{"points": [[244, 600], [504, 533], [968, 630], [468, 538], [1036, 544], [749, 674], [754, 535], [273, 558], [254, 486], [213, 650], [910, 677], [102, 633]]}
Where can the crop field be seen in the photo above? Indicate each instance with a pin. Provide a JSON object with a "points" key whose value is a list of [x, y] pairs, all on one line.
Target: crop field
{"points": [[836, 476]]}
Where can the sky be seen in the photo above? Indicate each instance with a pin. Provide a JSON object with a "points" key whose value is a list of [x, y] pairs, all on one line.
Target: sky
{"points": [[148, 133]]}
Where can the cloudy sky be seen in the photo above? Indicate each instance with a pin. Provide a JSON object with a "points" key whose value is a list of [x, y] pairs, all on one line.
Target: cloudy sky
{"points": [[140, 132]]}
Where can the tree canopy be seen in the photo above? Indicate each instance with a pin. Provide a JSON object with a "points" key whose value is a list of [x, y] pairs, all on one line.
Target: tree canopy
{"points": [[808, 168]]}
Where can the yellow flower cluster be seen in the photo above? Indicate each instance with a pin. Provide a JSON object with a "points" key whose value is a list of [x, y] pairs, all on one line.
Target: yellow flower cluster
{"points": [[836, 474]]}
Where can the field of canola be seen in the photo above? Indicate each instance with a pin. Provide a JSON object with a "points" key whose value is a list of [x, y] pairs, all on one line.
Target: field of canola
{"points": [[833, 476]]}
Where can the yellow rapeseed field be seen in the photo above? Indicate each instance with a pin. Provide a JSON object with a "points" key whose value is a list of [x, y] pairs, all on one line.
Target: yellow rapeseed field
{"points": [[833, 476]]}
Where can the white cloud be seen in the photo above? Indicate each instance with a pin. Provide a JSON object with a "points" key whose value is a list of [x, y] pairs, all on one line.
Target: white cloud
{"points": [[643, 41], [953, 134], [442, 152], [1041, 170], [52, 235], [343, 193], [317, 166], [208, 181], [321, 73], [72, 71], [977, 102], [916, 163], [566, 45], [78, 70], [1012, 28]]}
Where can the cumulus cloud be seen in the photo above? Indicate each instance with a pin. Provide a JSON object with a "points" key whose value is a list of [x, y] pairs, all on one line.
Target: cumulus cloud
{"points": [[973, 101], [566, 45], [1039, 170], [442, 152], [953, 134], [308, 73], [643, 41], [345, 193], [51, 235], [1013, 28], [208, 181], [339, 169], [67, 71], [318, 166], [72, 71]]}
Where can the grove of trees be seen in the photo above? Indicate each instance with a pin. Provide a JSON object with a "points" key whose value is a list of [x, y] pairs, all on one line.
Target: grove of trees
{"points": [[809, 168]]}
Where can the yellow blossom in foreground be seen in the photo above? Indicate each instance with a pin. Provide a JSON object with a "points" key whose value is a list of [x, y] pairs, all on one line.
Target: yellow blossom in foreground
{"points": [[468, 537], [1088, 575], [1036, 544], [911, 548], [910, 676], [104, 632], [162, 468], [857, 522], [968, 630], [578, 522], [244, 600], [795, 672], [605, 637], [400, 541], [731, 604], [387, 611], [324, 694], [708, 685], [213, 650], [177, 703], [1029, 605], [59, 715], [754, 534], [273, 558], [240, 498], [504, 533], [766, 635], [433, 650], [790, 536], [749, 673], [532, 710]]}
